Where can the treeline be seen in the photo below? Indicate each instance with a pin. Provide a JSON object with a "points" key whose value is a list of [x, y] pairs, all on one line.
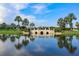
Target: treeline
{"points": [[68, 20], [25, 24]]}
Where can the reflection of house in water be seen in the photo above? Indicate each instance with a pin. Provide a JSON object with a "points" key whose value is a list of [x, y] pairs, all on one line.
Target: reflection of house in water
{"points": [[42, 31]]}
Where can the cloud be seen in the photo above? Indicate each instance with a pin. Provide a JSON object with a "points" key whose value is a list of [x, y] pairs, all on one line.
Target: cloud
{"points": [[9, 11], [19, 6], [32, 18], [2, 14], [38, 48], [38, 8], [2, 48]]}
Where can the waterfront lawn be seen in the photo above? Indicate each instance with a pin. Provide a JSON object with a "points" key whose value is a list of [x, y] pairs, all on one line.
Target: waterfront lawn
{"points": [[10, 31], [70, 33]]}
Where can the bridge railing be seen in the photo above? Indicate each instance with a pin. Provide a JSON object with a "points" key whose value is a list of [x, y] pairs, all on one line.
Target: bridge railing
{"points": [[41, 28]]}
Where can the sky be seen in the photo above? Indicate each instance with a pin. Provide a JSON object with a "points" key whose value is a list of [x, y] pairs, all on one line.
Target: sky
{"points": [[42, 14]]}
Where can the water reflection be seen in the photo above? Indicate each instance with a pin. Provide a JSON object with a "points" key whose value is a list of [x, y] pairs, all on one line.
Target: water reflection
{"points": [[66, 41], [25, 41], [18, 45], [3, 37], [21, 41], [12, 38]]}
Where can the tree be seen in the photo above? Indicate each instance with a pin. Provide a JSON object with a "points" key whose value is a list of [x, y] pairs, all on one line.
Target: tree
{"points": [[66, 20], [25, 22], [13, 26], [77, 24], [18, 19], [71, 17], [61, 23], [32, 25], [3, 25]]}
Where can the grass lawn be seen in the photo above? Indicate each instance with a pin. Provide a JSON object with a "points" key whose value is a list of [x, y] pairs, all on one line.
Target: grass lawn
{"points": [[70, 33], [10, 31]]}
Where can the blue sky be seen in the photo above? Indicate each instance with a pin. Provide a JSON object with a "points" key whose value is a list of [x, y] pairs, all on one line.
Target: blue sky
{"points": [[42, 14]]}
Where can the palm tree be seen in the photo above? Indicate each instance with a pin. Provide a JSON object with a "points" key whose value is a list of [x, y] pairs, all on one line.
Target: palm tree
{"points": [[61, 23], [32, 25], [77, 24], [25, 22], [66, 20], [13, 25], [71, 17], [18, 19]]}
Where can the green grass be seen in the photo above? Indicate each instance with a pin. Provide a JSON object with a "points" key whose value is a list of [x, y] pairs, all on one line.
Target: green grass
{"points": [[10, 31], [70, 33]]}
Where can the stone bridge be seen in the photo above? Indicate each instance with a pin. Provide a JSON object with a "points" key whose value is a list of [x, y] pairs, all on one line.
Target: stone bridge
{"points": [[46, 31]]}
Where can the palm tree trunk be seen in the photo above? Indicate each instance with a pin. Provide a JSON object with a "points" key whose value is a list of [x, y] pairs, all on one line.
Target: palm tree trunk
{"points": [[71, 25], [18, 23]]}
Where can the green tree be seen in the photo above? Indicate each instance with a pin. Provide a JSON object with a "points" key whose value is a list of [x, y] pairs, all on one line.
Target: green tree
{"points": [[25, 22], [71, 17], [18, 19], [61, 23], [3, 25], [77, 24], [66, 19], [32, 25], [13, 26]]}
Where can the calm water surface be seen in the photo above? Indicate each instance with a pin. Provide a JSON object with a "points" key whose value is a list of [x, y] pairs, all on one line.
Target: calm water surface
{"points": [[11, 45]]}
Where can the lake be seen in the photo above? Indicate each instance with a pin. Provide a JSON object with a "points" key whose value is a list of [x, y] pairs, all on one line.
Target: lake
{"points": [[20, 45]]}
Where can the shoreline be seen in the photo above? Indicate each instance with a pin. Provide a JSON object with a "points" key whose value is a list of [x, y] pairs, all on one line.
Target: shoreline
{"points": [[27, 33]]}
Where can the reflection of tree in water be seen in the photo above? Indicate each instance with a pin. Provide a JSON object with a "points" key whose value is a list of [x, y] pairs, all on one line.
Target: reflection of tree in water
{"points": [[77, 37], [66, 41], [60, 41], [12, 38], [32, 38], [71, 49], [3, 37], [18, 45], [25, 41]]}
